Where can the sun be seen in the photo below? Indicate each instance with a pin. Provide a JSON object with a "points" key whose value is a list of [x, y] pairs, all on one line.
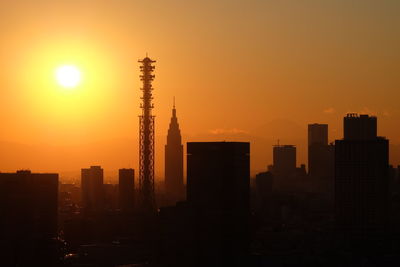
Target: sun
{"points": [[68, 76]]}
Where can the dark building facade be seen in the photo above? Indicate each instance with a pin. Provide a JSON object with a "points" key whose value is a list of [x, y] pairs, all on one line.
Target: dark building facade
{"points": [[264, 183], [264, 193], [29, 200], [126, 190], [361, 178], [320, 153], [284, 162], [174, 186], [317, 134], [218, 176], [359, 127], [28, 217], [92, 189]]}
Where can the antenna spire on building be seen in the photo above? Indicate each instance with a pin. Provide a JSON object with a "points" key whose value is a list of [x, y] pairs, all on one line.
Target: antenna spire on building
{"points": [[174, 185]]}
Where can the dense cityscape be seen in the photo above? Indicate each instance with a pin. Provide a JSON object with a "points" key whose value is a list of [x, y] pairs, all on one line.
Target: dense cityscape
{"points": [[339, 210]]}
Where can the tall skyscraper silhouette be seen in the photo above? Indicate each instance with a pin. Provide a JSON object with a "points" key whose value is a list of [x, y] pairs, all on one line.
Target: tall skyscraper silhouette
{"points": [[318, 134], [147, 202], [218, 178], [126, 192], [92, 189], [320, 153], [174, 186], [361, 178]]}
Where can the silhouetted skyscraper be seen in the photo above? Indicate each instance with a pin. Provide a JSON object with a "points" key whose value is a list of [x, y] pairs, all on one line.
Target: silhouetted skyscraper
{"points": [[218, 175], [92, 189], [174, 161], [320, 154], [126, 190], [361, 127], [31, 198], [28, 218], [284, 160], [318, 134], [361, 178]]}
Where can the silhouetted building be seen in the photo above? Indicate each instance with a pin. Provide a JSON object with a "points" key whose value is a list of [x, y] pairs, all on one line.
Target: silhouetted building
{"points": [[318, 134], [320, 153], [361, 127], [361, 178], [174, 186], [92, 189], [126, 190], [284, 162], [301, 171], [264, 190], [28, 218], [218, 175]]}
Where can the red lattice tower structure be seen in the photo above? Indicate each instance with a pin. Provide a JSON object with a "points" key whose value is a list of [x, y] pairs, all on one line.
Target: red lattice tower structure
{"points": [[147, 201]]}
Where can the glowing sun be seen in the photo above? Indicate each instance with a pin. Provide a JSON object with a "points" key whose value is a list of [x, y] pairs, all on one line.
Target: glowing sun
{"points": [[68, 76]]}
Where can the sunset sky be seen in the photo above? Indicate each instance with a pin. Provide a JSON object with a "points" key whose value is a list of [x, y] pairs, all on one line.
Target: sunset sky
{"points": [[249, 70]]}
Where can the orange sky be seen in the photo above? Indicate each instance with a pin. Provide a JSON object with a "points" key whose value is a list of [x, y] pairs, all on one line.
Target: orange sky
{"points": [[240, 70]]}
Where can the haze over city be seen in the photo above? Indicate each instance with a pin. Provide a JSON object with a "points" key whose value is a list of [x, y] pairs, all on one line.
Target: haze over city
{"points": [[253, 71]]}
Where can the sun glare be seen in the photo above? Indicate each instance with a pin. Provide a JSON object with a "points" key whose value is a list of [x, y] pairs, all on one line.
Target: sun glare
{"points": [[68, 76]]}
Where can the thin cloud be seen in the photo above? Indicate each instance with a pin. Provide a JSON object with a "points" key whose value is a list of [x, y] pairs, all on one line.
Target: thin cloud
{"points": [[368, 111], [227, 131], [329, 110]]}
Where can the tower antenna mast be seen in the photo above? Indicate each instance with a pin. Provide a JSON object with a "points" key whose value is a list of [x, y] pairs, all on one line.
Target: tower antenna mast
{"points": [[146, 139]]}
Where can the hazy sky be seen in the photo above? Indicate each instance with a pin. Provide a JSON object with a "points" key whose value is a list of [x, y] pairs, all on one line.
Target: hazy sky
{"points": [[240, 70]]}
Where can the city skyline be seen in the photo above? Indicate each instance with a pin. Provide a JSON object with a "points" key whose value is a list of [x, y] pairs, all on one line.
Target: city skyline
{"points": [[317, 80], [281, 149]]}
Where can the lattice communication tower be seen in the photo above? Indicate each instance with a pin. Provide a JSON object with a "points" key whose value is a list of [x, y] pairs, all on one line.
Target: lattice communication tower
{"points": [[146, 139]]}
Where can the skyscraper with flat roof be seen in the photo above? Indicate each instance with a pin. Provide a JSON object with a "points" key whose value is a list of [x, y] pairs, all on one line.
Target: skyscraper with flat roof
{"points": [[361, 178], [218, 177], [29, 200], [317, 134], [92, 189], [359, 127], [126, 190], [320, 153], [284, 161], [28, 218]]}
